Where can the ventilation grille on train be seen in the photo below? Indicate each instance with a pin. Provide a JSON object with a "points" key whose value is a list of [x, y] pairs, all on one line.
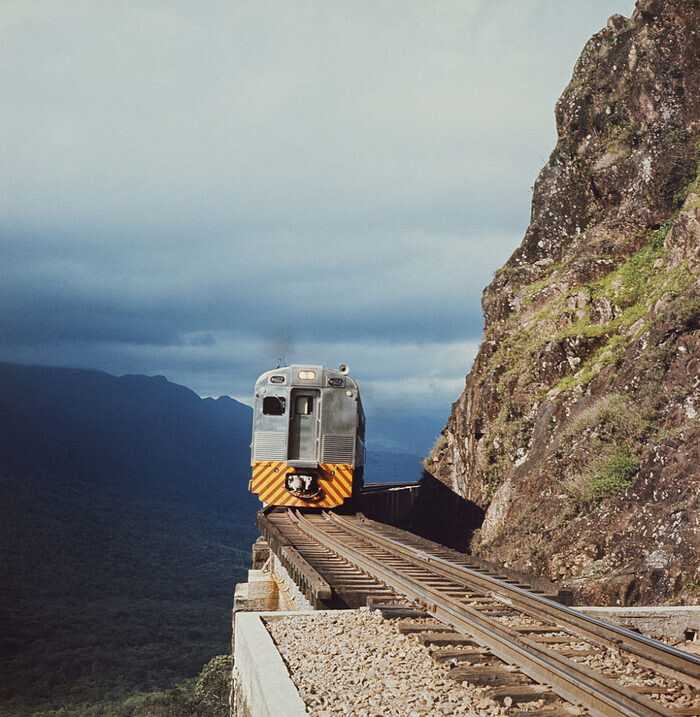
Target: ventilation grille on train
{"points": [[270, 446], [337, 449]]}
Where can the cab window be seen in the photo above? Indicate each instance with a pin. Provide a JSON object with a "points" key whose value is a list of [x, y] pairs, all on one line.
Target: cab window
{"points": [[304, 405], [274, 405]]}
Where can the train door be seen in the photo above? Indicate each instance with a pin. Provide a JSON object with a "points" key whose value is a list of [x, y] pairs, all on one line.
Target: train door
{"points": [[303, 421]]}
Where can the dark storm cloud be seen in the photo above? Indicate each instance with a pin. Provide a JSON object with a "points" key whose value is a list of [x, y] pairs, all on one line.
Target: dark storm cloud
{"points": [[353, 286], [193, 189]]}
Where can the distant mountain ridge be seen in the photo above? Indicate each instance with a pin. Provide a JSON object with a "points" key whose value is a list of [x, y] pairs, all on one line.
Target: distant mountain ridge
{"points": [[141, 432]]}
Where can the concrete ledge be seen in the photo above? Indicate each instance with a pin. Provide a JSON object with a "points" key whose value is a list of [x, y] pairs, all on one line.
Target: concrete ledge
{"points": [[676, 623], [259, 593], [263, 685]]}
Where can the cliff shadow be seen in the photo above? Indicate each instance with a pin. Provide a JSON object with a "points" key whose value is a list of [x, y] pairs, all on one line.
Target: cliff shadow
{"points": [[442, 515], [427, 508]]}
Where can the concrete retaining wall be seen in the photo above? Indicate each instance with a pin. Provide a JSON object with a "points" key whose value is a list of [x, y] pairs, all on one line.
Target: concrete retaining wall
{"points": [[676, 623], [262, 685]]}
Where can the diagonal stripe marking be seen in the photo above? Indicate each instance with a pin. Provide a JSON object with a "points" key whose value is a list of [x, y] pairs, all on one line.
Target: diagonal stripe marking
{"points": [[265, 482], [262, 476], [270, 480], [332, 491], [276, 494]]}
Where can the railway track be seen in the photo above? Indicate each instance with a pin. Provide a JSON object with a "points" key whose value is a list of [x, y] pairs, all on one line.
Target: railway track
{"points": [[493, 630]]}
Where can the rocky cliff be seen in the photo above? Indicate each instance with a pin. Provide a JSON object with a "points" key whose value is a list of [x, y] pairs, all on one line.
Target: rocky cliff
{"points": [[578, 427]]}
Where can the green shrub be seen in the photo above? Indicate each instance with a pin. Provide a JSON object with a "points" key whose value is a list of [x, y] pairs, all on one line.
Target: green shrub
{"points": [[213, 686], [614, 474], [611, 469], [438, 447], [615, 416]]}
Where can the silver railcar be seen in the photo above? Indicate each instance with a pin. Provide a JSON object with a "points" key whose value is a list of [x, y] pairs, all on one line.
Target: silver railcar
{"points": [[308, 437]]}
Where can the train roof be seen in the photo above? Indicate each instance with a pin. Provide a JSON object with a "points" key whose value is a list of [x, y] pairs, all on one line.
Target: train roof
{"points": [[305, 375]]}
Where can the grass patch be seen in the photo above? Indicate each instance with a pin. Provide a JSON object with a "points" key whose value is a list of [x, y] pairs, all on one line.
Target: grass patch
{"points": [[606, 410], [550, 278], [508, 438], [609, 353], [613, 471], [615, 474], [475, 544], [622, 134], [632, 288], [439, 445], [603, 433], [693, 187], [521, 365], [630, 284]]}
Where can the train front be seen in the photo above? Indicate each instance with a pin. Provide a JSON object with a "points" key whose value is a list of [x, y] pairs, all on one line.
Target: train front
{"points": [[308, 437]]}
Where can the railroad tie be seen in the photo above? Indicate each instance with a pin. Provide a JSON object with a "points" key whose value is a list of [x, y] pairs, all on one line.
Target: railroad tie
{"points": [[555, 639], [499, 613], [475, 658], [576, 653], [465, 654], [563, 711], [652, 690], [406, 627], [490, 676], [522, 693], [443, 638], [391, 610]]}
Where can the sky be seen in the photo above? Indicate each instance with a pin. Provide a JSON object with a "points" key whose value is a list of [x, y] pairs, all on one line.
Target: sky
{"points": [[204, 190]]}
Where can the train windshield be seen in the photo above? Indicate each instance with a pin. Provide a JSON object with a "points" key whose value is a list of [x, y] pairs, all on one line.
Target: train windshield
{"points": [[304, 405], [273, 405]]}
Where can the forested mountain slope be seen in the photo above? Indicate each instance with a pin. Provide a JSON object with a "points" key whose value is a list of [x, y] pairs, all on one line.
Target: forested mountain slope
{"points": [[126, 523]]}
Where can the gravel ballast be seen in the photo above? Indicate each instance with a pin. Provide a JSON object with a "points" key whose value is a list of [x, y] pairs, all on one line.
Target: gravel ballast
{"points": [[357, 663]]}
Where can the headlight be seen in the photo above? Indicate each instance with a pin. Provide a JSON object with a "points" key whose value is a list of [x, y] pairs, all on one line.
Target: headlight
{"points": [[307, 375]]}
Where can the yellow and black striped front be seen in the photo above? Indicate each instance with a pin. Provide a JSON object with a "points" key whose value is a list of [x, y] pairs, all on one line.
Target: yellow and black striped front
{"points": [[334, 482]]}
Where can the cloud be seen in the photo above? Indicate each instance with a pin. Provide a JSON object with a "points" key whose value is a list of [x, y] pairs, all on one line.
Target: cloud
{"points": [[292, 111], [397, 286], [193, 189]]}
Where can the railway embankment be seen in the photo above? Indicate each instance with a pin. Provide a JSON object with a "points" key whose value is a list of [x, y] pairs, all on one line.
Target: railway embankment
{"points": [[430, 631], [356, 662]]}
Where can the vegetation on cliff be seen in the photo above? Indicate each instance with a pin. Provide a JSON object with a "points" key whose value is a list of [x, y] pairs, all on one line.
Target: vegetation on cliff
{"points": [[204, 696], [578, 428]]}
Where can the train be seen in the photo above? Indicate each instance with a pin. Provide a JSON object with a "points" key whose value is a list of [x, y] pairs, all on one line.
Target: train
{"points": [[308, 447]]}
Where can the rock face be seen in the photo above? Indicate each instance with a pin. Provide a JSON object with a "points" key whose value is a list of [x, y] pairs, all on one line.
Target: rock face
{"points": [[578, 427]]}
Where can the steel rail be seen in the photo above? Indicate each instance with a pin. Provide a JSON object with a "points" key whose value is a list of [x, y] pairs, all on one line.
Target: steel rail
{"points": [[663, 658], [374, 487], [601, 696]]}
